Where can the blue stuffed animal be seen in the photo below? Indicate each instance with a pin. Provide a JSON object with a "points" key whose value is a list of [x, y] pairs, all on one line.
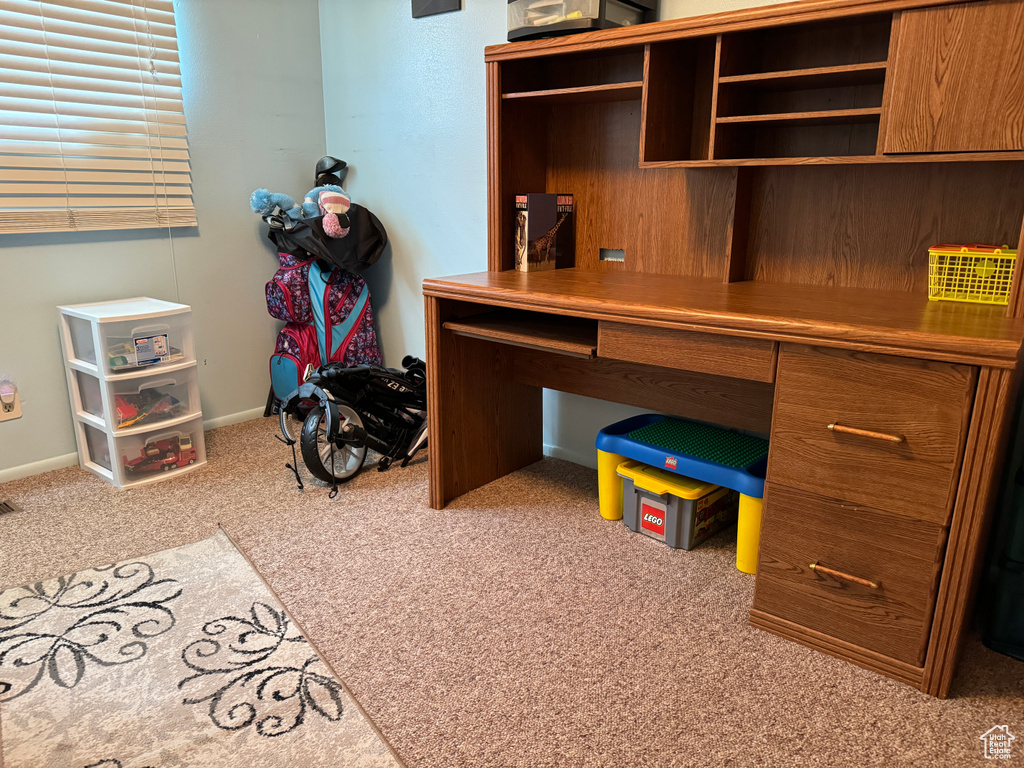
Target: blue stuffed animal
{"points": [[276, 208], [281, 211]]}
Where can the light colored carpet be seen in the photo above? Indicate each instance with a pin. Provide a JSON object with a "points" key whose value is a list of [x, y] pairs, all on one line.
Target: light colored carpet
{"points": [[178, 658], [517, 627]]}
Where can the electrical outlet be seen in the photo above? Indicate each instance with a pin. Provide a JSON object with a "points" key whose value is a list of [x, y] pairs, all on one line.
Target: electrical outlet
{"points": [[10, 402]]}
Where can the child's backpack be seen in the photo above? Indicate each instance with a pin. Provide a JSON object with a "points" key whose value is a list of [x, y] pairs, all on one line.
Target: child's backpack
{"points": [[328, 319]]}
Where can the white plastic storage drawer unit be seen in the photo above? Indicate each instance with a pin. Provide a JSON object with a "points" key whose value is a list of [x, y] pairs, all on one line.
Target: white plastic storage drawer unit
{"points": [[134, 389]]}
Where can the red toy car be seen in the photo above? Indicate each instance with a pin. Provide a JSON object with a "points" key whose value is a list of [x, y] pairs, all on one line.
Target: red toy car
{"points": [[163, 455]]}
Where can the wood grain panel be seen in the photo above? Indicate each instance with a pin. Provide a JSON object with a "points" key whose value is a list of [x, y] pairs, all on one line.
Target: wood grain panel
{"points": [[811, 45], [870, 227], [926, 404], [948, 96], [732, 21], [851, 652], [732, 356], [735, 403], [738, 227], [574, 70], [826, 159], [497, 252], [519, 163], [889, 322], [555, 333], [900, 555], [678, 99], [582, 95], [979, 484], [1015, 306], [483, 424], [667, 222]]}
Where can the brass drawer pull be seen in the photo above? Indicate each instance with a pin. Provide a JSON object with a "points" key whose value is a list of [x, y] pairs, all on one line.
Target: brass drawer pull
{"points": [[844, 576], [865, 433]]}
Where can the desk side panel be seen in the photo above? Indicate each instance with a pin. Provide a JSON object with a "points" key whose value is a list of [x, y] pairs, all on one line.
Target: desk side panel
{"points": [[483, 424], [972, 515]]}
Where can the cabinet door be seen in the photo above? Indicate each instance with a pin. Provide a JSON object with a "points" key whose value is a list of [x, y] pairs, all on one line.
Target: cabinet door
{"points": [[957, 83]]}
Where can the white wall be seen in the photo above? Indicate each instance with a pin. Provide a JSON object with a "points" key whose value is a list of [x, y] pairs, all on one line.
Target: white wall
{"points": [[405, 105], [254, 104]]}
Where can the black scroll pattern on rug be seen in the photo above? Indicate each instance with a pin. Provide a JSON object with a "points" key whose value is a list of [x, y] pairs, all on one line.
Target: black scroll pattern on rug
{"points": [[101, 617], [245, 672]]}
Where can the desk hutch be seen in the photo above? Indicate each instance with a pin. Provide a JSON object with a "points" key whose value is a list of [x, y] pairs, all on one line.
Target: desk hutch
{"points": [[756, 192]]}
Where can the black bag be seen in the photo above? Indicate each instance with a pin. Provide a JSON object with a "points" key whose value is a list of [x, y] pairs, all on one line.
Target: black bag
{"points": [[360, 248]]}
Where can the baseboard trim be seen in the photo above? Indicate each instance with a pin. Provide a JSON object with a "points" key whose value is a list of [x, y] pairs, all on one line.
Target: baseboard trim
{"points": [[38, 467], [586, 459], [71, 459], [233, 418]]}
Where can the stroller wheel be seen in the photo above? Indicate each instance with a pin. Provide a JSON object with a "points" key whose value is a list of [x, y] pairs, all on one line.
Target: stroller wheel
{"points": [[316, 448]]}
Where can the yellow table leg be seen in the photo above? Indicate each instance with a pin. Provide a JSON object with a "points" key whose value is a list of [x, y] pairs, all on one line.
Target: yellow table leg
{"points": [[609, 484], [748, 533]]}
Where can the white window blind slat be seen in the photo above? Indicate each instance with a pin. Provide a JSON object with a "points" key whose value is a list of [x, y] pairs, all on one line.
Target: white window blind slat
{"points": [[11, 195], [132, 101], [89, 33], [37, 175], [14, 163], [35, 36], [44, 80], [127, 60], [71, 219], [103, 111], [89, 150], [41, 203], [58, 136], [92, 125], [57, 67], [68, 123], [130, 15]]}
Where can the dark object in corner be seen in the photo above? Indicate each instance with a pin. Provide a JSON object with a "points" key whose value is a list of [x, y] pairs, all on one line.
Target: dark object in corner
{"points": [[534, 19], [421, 8], [330, 170]]}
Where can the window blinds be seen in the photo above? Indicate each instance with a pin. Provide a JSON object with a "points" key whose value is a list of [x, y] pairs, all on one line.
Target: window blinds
{"points": [[92, 127]]}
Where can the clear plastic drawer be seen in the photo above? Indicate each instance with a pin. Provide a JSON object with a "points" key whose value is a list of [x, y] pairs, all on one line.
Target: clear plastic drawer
{"points": [[126, 345], [131, 345], [160, 452], [149, 400], [96, 445]]}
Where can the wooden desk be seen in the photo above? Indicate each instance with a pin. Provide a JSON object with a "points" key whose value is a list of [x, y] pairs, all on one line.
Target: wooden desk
{"points": [[908, 367], [774, 178]]}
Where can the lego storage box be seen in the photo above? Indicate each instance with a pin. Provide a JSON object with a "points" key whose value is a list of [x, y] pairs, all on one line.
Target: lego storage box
{"points": [[677, 510]]}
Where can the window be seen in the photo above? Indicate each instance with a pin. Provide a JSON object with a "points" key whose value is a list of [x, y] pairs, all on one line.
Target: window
{"points": [[92, 127]]}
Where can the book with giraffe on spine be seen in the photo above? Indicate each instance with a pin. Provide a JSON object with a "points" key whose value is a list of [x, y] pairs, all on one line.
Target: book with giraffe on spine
{"points": [[545, 232]]}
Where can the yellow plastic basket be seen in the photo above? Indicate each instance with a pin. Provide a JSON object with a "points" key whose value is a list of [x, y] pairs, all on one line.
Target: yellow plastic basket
{"points": [[980, 274]]}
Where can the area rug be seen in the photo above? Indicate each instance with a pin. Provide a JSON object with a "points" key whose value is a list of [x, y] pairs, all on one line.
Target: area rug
{"points": [[180, 658]]}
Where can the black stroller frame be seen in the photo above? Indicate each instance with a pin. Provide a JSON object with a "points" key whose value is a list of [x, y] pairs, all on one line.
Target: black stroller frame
{"points": [[346, 410]]}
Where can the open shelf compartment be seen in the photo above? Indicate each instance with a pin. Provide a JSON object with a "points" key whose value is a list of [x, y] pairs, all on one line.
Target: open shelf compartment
{"points": [[572, 71], [572, 336]]}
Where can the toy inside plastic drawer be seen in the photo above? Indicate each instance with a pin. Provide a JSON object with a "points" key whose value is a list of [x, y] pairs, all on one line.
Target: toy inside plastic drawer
{"points": [[130, 346], [149, 400], [154, 453]]}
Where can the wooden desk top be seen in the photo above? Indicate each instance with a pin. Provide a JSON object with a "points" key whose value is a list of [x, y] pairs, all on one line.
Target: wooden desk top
{"points": [[888, 322]]}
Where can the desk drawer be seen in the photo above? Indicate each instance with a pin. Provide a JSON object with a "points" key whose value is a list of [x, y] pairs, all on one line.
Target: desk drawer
{"points": [[734, 356], [925, 405], [899, 555]]}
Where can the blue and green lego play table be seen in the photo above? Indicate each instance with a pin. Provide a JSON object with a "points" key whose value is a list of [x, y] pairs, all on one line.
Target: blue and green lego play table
{"points": [[701, 451]]}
